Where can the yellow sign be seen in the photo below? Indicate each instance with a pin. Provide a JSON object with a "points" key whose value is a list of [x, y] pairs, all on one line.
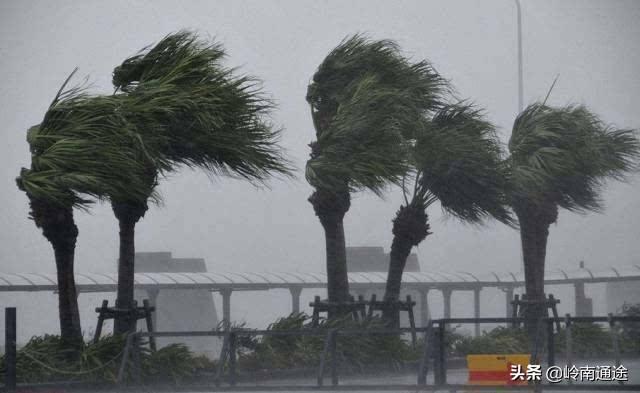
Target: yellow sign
{"points": [[495, 369]]}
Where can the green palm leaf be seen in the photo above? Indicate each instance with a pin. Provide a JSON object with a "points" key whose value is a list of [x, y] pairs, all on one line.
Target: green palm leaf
{"points": [[564, 155], [85, 148], [367, 101], [196, 112], [458, 161]]}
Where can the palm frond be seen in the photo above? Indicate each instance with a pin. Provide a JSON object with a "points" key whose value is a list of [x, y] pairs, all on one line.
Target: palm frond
{"points": [[85, 148], [564, 155], [367, 101], [458, 161], [196, 112], [179, 58], [177, 106]]}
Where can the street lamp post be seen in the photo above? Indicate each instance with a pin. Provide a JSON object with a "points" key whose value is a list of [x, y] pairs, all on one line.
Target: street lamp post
{"points": [[520, 78]]}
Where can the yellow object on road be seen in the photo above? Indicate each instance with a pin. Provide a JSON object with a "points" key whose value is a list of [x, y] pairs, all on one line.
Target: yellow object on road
{"points": [[495, 369]]}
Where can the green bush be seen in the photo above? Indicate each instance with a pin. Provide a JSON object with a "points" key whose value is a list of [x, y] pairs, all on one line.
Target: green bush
{"points": [[296, 351], [46, 359], [588, 340], [174, 363], [501, 340]]}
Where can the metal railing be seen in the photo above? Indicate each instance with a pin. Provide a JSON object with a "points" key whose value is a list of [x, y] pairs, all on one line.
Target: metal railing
{"points": [[440, 358], [434, 351]]}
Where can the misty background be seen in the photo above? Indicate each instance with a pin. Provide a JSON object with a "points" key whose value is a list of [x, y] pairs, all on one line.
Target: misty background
{"points": [[592, 46]]}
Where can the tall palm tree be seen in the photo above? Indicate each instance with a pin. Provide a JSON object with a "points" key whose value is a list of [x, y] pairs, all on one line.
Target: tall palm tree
{"points": [[76, 153], [456, 160], [560, 158], [185, 104], [366, 100]]}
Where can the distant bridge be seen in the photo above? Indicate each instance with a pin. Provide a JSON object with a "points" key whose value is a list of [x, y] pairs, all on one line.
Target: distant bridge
{"points": [[227, 282]]}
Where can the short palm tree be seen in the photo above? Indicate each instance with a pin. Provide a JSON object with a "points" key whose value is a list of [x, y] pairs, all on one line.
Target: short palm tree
{"points": [[186, 105], [456, 160], [366, 100], [77, 153], [560, 158]]}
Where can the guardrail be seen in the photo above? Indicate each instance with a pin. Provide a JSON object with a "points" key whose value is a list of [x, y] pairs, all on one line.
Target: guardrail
{"points": [[433, 351], [440, 375]]}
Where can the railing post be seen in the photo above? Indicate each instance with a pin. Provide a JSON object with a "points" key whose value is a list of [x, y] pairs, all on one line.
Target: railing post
{"points": [[614, 340], [232, 358], [148, 309], [334, 357], [323, 358], [568, 342], [10, 347], [440, 367], [551, 345], [426, 356], [223, 359], [436, 357]]}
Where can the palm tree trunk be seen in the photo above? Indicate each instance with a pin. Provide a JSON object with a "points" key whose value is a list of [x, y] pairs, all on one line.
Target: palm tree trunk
{"points": [[59, 228], [330, 207], [128, 214], [70, 329], [534, 241], [534, 230], [400, 249], [338, 282], [410, 227]]}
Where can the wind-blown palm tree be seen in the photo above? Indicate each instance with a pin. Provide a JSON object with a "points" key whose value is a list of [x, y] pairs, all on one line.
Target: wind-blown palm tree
{"points": [[560, 158], [457, 161], [185, 104], [79, 150], [366, 101]]}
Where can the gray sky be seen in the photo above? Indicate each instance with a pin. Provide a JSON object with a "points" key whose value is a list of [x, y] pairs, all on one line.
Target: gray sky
{"points": [[592, 45]]}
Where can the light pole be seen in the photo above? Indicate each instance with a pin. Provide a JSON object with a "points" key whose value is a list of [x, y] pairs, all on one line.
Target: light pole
{"points": [[520, 79]]}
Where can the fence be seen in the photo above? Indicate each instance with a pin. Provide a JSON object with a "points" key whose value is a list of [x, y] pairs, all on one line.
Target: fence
{"points": [[433, 357], [440, 374], [434, 350]]}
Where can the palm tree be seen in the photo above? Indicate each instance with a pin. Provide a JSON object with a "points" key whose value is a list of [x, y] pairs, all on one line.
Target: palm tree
{"points": [[560, 158], [185, 104], [457, 161], [366, 100], [76, 153]]}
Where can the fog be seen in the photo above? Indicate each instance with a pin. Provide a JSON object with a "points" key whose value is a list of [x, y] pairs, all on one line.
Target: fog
{"points": [[592, 46]]}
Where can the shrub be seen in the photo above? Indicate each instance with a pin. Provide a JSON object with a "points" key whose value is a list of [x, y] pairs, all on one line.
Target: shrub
{"points": [[500, 340], [45, 359], [295, 351], [588, 340]]}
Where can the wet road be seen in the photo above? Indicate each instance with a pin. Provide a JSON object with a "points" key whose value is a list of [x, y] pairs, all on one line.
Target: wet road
{"points": [[458, 376]]}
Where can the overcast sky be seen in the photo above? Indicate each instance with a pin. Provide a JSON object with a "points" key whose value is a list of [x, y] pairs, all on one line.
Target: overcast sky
{"points": [[592, 45]]}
